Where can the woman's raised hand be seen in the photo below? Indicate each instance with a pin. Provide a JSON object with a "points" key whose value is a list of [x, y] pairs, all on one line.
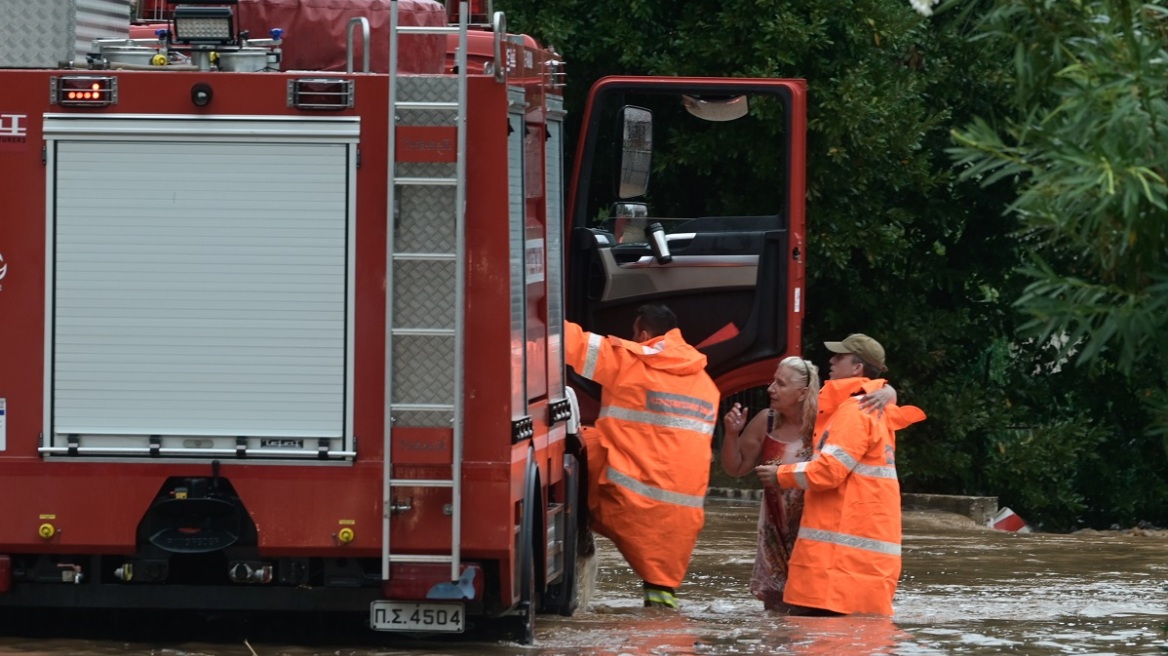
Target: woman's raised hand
{"points": [[735, 420]]}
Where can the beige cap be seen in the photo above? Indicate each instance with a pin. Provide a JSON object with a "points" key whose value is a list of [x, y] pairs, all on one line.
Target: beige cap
{"points": [[868, 349]]}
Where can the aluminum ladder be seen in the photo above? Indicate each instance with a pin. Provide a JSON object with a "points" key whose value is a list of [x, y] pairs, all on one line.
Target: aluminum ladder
{"points": [[425, 311]]}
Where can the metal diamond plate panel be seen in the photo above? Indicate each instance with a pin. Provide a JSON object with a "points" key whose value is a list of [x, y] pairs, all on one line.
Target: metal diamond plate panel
{"points": [[423, 369], [427, 117], [427, 88], [36, 33], [426, 224], [423, 419], [425, 294], [428, 170], [424, 289]]}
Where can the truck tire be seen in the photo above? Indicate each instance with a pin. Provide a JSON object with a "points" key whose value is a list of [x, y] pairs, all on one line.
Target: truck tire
{"points": [[525, 624], [523, 616], [563, 597]]}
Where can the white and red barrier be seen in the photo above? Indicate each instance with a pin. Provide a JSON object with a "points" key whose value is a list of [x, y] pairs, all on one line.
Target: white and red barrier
{"points": [[1006, 520]]}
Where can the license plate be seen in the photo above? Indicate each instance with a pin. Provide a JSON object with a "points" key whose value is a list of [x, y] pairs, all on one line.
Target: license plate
{"points": [[414, 616]]}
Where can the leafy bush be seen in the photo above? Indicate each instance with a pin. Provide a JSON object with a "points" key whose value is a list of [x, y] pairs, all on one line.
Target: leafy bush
{"points": [[1038, 469]]}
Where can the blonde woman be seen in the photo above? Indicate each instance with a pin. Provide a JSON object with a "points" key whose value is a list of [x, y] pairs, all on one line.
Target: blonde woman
{"points": [[780, 435]]}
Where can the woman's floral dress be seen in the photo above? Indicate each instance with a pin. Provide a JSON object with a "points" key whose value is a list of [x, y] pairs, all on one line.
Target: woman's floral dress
{"points": [[778, 524]]}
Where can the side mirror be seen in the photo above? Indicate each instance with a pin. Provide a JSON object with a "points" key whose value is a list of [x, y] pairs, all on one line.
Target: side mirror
{"points": [[631, 221], [636, 151]]}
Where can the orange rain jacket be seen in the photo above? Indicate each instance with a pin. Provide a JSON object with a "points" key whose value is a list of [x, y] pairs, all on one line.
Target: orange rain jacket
{"points": [[847, 554], [649, 453]]}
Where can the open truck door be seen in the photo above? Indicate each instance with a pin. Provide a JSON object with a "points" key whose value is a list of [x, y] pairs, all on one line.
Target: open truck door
{"points": [[674, 215]]}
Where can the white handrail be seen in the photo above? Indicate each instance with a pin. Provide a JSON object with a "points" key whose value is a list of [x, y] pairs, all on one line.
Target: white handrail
{"points": [[364, 23]]}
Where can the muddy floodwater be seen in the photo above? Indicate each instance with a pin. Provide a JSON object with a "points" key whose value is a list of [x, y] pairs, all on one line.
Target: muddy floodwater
{"points": [[965, 590]]}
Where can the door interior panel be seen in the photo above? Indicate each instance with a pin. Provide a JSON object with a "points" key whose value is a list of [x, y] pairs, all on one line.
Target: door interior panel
{"points": [[734, 254], [721, 285]]}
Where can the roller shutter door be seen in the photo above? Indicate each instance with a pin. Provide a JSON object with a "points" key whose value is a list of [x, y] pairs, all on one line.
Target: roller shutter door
{"points": [[200, 296]]}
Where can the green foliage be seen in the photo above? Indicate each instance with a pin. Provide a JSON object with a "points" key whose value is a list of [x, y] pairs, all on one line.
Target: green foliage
{"points": [[906, 248], [1039, 468], [1082, 150], [1127, 484], [1084, 153]]}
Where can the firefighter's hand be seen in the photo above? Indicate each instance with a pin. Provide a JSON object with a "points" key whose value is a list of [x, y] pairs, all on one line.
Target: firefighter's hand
{"points": [[768, 474], [735, 420], [875, 401]]}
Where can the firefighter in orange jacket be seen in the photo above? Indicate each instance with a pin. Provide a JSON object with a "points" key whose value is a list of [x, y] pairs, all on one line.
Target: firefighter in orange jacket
{"points": [[649, 453], [847, 555]]}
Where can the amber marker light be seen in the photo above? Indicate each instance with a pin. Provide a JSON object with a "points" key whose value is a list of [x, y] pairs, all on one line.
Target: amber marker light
{"points": [[84, 90]]}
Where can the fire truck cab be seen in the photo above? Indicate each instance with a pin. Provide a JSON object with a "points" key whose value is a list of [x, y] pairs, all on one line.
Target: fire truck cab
{"points": [[282, 298]]}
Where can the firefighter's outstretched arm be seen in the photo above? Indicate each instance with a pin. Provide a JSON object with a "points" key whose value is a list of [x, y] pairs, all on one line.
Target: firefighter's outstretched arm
{"points": [[844, 443], [593, 356]]}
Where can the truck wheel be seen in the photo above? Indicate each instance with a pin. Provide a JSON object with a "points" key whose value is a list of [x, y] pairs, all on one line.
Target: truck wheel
{"points": [[564, 597], [585, 550], [524, 628]]}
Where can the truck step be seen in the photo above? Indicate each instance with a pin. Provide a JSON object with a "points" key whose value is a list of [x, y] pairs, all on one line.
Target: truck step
{"points": [[423, 29], [422, 104], [442, 182], [419, 558], [425, 257], [420, 482]]}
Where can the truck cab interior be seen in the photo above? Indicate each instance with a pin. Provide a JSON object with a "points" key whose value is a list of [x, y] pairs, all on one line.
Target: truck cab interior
{"points": [[674, 217]]}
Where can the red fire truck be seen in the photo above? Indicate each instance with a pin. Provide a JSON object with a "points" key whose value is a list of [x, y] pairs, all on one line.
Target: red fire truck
{"points": [[281, 311]]}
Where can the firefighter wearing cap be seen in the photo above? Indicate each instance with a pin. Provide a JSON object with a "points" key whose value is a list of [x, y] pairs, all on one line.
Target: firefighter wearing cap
{"points": [[847, 555], [649, 453]]}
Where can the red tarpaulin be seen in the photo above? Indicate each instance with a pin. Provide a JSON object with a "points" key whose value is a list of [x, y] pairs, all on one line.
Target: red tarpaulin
{"points": [[315, 32]]}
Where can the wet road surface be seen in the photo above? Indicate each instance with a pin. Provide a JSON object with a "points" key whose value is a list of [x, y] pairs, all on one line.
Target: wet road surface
{"points": [[965, 590]]}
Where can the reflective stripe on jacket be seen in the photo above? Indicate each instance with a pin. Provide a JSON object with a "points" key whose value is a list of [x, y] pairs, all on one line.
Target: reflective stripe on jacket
{"points": [[847, 555], [648, 478]]}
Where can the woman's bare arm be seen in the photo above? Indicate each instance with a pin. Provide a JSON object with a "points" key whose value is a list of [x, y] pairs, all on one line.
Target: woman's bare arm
{"points": [[875, 401], [742, 443]]}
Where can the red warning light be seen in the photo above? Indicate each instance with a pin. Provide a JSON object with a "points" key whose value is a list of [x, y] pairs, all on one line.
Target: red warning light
{"points": [[85, 90]]}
